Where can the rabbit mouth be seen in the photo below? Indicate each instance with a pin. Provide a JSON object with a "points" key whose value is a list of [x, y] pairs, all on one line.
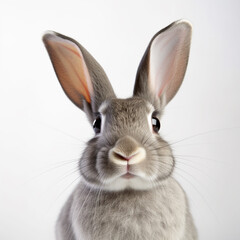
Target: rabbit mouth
{"points": [[128, 175]]}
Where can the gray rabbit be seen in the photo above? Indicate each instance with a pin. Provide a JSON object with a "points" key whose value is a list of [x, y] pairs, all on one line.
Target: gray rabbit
{"points": [[126, 191]]}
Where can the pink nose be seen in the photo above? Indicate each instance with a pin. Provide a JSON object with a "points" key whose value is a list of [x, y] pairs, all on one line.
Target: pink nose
{"points": [[127, 151], [122, 157]]}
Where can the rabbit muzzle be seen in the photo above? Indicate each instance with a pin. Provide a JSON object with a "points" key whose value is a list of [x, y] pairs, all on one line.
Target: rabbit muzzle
{"points": [[127, 151]]}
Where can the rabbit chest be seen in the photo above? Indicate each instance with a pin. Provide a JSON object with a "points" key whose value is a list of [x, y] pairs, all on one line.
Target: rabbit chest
{"points": [[158, 213]]}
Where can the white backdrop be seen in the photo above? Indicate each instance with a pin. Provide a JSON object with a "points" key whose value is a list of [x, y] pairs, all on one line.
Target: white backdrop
{"points": [[42, 133]]}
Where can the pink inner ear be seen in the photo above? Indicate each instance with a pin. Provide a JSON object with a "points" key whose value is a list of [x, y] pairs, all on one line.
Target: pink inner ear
{"points": [[168, 75], [168, 59], [70, 68], [79, 68], [162, 57]]}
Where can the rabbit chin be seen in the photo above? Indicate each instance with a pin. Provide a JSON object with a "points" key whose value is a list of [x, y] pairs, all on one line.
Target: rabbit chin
{"points": [[120, 183]]}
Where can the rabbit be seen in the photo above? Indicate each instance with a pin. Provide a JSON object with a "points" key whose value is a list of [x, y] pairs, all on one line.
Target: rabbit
{"points": [[127, 190]]}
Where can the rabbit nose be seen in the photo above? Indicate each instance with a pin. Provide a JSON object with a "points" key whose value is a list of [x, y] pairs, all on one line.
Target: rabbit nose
{"points": [[127, 151], [121, 156]]}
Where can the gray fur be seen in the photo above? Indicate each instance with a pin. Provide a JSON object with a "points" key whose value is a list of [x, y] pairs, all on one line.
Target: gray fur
{"points": [[101, 85], [157, 214], [106, 206], [141, 87]]}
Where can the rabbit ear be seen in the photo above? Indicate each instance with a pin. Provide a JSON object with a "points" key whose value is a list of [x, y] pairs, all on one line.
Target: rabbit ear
{"points": [[164, 63], [81, 77]]}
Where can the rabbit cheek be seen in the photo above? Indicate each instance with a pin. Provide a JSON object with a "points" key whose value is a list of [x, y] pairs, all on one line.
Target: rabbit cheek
{"points": [[159, 163], [87, 168], [165, 167]]}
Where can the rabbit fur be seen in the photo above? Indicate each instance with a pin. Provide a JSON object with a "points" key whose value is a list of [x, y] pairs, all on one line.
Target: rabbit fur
{"points": [[127, 191]]}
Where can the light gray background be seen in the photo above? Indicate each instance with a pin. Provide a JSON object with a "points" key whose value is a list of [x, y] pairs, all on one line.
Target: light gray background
{"points": [[42, 132]]}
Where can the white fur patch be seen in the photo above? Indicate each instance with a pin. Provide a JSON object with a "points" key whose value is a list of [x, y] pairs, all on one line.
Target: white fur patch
{"points": [[119, 183], [138, 157], [102, 110], [149, 116]]}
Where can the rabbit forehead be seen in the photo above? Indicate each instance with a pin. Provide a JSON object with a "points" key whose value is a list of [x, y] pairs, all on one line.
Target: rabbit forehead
{"points": [[128, 106], [126, 114]]}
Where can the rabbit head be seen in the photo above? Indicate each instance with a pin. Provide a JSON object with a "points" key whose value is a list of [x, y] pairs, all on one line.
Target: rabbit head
{"points": [[127, 150]]}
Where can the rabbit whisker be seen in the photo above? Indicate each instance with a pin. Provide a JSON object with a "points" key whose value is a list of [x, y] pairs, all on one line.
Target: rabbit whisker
{"points": [[66, 188], [199, 193], [85, 200]]}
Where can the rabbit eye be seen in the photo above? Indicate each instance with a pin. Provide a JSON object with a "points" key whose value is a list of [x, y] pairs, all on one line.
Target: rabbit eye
{"points": [[97, 124], [156, 124]]}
